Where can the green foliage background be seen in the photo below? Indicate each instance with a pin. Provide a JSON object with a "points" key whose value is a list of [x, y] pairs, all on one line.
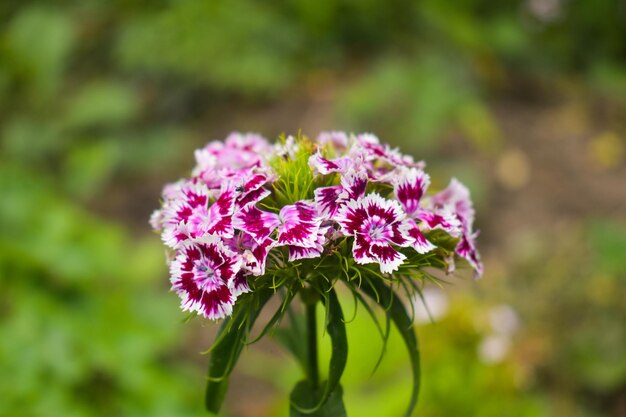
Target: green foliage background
{"points": [[102, 102]]}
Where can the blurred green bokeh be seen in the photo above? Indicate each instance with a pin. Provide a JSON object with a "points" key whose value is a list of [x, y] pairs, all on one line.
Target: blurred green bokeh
{"points": [[102, 102]]}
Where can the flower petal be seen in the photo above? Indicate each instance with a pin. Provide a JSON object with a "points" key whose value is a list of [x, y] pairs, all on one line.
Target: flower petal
{"points": [[300, 224], [444, 219], [388, 258], [456, 196], [419, 241], [410, 186], [467, 250], [240, 284], [351, 217], [253, 253], [298, 252], [325, 166], [259, 224], [327, 199], [365, 252], [354, 184]]}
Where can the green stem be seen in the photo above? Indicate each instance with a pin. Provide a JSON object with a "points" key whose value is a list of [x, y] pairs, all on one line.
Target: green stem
{"points": [[311, 325], [310, 298]]}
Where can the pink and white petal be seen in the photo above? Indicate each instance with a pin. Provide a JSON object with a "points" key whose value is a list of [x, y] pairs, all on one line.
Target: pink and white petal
{"points": [[173, 236], [354, 184], [258, 224], [221, 226], [196, 194], [250, 142], [443, 219], [252, 197], [172, 191], [457, 196], [259, 252], [206, 158], [389, 211], [298, 252], [361, 250], [351, 216], [419, 241], [156, 220], [213, 302], [225, 203], [240, 284], [410, 186], [300, 224], [388, 258], [467, 250], [254, 254], [327, 199], [398, 233], [371, 145], [255, 181], [325, 166]]}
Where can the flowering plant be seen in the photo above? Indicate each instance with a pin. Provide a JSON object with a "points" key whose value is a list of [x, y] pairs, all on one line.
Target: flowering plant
{"points": [[257, 220]]}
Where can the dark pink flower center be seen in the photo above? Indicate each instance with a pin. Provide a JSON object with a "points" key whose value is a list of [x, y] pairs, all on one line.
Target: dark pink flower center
{"points": [[205, 276]]}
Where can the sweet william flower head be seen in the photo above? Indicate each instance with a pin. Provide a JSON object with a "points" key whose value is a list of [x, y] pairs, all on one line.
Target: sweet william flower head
{"points": [[254, 216]]}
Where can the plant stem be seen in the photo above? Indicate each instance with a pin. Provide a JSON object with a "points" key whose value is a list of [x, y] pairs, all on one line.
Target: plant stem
{"points": [[311, 325]]}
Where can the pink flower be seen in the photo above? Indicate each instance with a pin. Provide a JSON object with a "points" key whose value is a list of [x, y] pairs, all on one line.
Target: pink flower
{"points": [[185, 212], [249, 186], [299, 224], [377, 225], [455, 199], [254, 257], [253, 253], [321, 165], [410, 185], [219, 160], [330, 199], [257, 223], [299, 252], [203, 274]]}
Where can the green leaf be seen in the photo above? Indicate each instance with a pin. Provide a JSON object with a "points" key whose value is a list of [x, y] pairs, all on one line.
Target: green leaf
{"points": [[336, 328], [304, 393], [231, 340], [380, 293]]}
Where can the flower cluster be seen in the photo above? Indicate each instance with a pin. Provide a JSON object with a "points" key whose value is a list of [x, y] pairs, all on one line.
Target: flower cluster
{"points": [[249, 206]]}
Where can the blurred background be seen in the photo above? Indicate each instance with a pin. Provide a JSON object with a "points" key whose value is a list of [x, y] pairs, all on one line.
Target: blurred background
{"points": [[102, 102]]}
